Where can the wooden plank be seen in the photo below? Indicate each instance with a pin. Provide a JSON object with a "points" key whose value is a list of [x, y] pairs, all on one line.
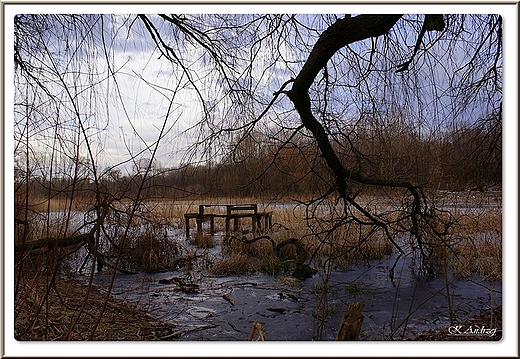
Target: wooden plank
{"points": [[178, 333]]}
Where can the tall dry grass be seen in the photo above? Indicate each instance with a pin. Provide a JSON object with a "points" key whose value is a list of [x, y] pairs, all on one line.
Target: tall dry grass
{"points": [[241, 257], [146, 249], [474, 243], [343, 246], [56, 204]]}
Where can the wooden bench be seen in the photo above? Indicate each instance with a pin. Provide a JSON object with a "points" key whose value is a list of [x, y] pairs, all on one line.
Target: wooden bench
{"points": [[200, 218], [236, 212]]}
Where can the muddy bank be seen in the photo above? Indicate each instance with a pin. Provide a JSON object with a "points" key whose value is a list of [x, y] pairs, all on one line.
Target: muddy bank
{"points": [[60, 320]]}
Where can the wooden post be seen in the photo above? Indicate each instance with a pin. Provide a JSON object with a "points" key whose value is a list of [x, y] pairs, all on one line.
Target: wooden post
{"points": [[267, 222], [228, 229], [254, 223], [199, 225], [212, 225], [228, 221], [350, 326], [200, 220], [187, 220]]}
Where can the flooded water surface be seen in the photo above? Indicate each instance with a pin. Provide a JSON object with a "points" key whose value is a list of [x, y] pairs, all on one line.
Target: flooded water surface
{"points": [[225, 308]]}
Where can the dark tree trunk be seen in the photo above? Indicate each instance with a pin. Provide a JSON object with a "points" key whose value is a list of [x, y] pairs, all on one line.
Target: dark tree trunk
{"points": [[341, 33]]}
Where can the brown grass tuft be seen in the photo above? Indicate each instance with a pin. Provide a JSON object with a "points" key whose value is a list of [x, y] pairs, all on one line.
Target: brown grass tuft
{"points": [[202, 240], [148, 249], [237, 263], [474, 245]]}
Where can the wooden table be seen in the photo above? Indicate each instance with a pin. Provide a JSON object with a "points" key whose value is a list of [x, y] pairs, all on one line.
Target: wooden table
{"points": [[260, 221]]}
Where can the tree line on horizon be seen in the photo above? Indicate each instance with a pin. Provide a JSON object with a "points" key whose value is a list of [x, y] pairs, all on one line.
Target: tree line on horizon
{"points": [[464, 158]]}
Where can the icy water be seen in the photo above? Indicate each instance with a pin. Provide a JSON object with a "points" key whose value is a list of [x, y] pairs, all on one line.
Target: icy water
{"points": [[224, 308]]}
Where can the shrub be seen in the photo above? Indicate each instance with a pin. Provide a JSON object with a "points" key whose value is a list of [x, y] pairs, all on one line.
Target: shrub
{"points": [[149, 249]]}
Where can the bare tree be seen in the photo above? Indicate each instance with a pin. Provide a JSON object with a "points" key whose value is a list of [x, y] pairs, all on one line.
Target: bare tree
{"points": [[329, 90], [353, 66]]}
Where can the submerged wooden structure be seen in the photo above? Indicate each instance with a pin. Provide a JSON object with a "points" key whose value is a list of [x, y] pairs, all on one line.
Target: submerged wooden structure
{"points": [[260, 221]]}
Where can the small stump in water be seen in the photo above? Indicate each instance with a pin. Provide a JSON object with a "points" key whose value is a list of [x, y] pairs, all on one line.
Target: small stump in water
{"points": [[256, 328], [351, 322], [303, 271]]}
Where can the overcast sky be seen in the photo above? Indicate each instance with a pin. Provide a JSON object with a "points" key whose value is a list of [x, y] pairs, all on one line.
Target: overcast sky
{"points": [[150, 88]]}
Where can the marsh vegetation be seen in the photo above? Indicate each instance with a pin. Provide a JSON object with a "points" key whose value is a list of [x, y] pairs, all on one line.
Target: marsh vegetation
{"points": [[157, 248]]}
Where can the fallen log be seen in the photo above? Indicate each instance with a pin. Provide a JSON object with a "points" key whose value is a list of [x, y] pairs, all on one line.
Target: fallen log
{"points": [[53, 242], [181, 284], [65, 241], [189, 288], [228, 298], [195, 328]]}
